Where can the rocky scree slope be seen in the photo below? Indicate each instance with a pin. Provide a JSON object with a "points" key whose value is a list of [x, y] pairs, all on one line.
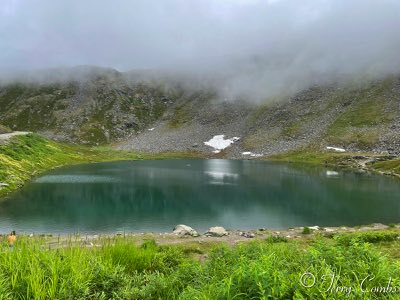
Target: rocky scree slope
{"points": [[99, 109], [110, 107], [357, 117]]}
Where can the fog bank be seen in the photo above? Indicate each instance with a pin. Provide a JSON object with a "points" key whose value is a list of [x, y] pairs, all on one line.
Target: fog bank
{"points": [[251, 49]]}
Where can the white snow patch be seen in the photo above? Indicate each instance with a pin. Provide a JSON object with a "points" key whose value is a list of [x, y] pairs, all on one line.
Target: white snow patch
{"points": [[218, 142], [336, 149], [251, 154], [150, 129]]}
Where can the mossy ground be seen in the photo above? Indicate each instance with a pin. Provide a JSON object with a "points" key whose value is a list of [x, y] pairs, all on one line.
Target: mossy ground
{"points": [[270, 268]]}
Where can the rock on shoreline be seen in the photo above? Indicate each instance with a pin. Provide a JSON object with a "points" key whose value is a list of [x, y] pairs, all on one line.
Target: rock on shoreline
{"points": [[184, 230], [217, 231]]}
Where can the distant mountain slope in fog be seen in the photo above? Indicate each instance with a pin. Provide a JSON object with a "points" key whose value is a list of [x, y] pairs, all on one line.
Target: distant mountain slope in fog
{"points": [[97, 106]]}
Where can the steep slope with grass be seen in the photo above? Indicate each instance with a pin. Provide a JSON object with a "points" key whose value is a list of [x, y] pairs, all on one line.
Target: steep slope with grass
{"points": [[25, 156]]}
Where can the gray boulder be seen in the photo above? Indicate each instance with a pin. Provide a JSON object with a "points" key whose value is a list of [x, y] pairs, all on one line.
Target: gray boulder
{"points": [[216, 231], [184, 230]]}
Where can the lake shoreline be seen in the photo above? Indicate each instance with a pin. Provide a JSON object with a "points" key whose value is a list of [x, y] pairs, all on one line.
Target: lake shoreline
{"points": [[27, 156], [40, 155], [232, 238]]}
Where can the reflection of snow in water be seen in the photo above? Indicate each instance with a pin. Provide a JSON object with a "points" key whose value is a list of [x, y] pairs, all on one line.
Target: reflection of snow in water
{"points": [[218, 165], [219, 143], [220, 171], [331, 173], [222, 175], [75, 179], [215, 182]]}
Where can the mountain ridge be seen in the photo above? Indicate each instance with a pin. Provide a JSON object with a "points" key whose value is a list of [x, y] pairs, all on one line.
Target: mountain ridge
{"points": [[112, 107]]}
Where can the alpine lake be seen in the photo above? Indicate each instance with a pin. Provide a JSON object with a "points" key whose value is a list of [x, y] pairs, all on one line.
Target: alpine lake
{"points": [[156, 195]]}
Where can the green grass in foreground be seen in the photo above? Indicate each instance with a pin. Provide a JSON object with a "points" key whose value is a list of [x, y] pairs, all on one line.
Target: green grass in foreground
{"points": [[269, 269], [26, 156]]}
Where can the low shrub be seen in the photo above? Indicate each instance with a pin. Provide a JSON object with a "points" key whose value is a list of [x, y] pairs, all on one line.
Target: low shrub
{"points": [[366, 237]]}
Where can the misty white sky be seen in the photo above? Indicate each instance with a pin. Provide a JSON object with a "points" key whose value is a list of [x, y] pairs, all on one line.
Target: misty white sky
{"points": [[264, 44]]}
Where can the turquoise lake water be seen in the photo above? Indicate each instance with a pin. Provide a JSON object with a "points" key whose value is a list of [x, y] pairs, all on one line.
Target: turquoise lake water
{"points": [[156, 195]]}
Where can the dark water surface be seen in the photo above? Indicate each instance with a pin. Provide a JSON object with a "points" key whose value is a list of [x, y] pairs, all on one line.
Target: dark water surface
{"points": [[156, 195]]}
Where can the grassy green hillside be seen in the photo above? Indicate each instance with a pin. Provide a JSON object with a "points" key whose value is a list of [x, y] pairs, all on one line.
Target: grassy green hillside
{"points": [[360, 266], [356, 116], [26, 156], [368, 111]]}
